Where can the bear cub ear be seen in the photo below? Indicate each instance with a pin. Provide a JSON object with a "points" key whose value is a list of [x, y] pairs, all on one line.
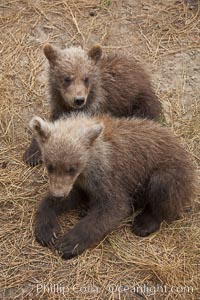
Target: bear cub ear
{"points": [[41, 128], [50, 52], [95, 52], [94, 132]]}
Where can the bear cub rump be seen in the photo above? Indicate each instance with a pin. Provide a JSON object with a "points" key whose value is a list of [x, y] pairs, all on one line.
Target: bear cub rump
{"points": [[117, 164], [95, 83]]}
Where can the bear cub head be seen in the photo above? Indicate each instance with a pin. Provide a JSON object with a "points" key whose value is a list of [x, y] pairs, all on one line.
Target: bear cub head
{"points": [[66, 147], [73, 72]]}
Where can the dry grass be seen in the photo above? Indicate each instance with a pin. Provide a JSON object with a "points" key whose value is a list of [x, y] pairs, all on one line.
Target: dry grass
{"points": [[163, 35]]}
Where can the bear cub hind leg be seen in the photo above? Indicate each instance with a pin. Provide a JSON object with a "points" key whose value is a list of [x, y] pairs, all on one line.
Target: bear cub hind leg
{"points": [[146, 222], [156, 202]]}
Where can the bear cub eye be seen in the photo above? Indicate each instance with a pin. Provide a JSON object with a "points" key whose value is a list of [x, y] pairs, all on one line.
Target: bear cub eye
{"points": [[86, 80], [67, 80], [70, 170], [50, 168]]}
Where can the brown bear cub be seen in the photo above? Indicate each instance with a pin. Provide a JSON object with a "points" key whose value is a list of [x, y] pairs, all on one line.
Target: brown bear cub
{"points": [[90, 82], [114, 164]]}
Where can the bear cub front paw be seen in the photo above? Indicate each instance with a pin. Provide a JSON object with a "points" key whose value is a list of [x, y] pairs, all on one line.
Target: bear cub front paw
{"points": [[32, 156], [47, 229], [70, 245]]}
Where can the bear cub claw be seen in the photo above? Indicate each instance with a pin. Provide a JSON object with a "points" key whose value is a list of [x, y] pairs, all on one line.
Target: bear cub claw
{"points": [[32, 155], [46, 232], [69, 246], [32, 159]]}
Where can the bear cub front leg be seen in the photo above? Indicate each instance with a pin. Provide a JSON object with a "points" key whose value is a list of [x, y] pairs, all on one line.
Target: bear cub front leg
{"points": [[84, 235], [46, 224], [90, 230]]}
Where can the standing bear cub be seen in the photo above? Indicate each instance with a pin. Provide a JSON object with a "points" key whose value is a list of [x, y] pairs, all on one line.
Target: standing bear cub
{"points": [[116, 164], [90, 82]]}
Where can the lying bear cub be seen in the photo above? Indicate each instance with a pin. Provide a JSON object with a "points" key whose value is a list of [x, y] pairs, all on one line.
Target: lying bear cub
{"points": [[115, 165]]}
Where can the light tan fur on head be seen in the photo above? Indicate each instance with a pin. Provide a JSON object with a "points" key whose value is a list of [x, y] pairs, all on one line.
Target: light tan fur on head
{"points": [[74, 71], [41, 128], [65, 146]]}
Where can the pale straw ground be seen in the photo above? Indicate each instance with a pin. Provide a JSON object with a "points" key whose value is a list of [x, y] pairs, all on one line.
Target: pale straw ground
{"points": [[165, 37]]}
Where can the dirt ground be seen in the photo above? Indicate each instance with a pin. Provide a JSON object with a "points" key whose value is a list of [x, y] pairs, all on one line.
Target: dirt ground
{"points": [[165, 37]]}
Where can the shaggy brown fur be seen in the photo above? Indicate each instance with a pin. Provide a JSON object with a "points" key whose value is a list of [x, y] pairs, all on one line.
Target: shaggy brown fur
{"points": [[117, 164], [91, 83]]}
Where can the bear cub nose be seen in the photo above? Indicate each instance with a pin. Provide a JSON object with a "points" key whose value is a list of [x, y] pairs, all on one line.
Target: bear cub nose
{"points": [[58, 195], [79, 100]]}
